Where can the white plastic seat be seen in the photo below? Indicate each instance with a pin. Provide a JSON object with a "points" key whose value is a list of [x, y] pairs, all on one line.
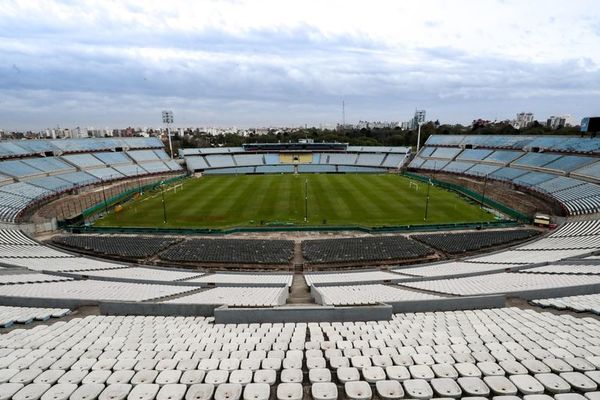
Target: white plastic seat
{"points": [[557, 365], [553, 383], [500, 385], [120, 377], [389, 389], [88, 391], [33, 391], [467, 370], [73, 376], [315, 362], [271, 363], [171, 392], [228, 391], [536, 367], [418, 389], [240, 376], [348, 374], [373, 374], [7, 390], [62, 391], [144, 376], [358, 390], [144, 391], [290, 391], [537, 397], [579, 381], [444, 371], [324, 391], [579, 364], [168, 377], [216, 377], [490, 369], [360, 361], [339, 362], [252, 364], [200, 391], [319, 375], [117, 391], [445, 387], [421, 372], [292, 363], [569, 396], [267, 376], [291, 375], [192, 377], [26, 376], [592, 395], [229, 364], [96, 376], [527, 384], [208, 364], [257, 391], [473, 386], [513, 367]]}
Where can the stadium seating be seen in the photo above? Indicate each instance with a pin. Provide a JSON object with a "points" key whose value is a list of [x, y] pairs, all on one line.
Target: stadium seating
{"points": [[368, 294], [464, 242], [364, 249], [231, 251], [540, 164], [237, 296], [123, 246], [357, 276], [244, 278], [355, 159], [417, 356], [10, 315]]}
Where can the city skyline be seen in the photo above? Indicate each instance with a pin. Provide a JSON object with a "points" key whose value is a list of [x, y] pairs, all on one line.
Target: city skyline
{"points": [[272, 63]]}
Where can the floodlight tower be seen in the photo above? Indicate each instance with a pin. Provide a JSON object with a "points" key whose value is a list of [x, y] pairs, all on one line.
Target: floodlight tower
{"points": [[167, 118]]}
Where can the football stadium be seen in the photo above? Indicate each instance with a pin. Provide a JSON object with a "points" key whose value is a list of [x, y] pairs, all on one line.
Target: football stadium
{"points": [[467, 269]]}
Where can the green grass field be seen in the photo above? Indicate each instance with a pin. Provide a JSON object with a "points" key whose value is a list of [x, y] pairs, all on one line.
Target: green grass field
{"points": [[257, 200]]}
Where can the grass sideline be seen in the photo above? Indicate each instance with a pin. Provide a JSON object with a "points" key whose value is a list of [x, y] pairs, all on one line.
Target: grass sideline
{"points": [[367, 200]]}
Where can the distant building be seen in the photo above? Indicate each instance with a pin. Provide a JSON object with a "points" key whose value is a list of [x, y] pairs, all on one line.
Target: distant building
{"points": [[523, 120], [419, 118], [559, 121]]}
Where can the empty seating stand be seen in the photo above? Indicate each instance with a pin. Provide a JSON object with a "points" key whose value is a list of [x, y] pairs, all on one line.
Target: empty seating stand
{"points": [[242, 251], [116, 245], [364, 249], [464, 242]]}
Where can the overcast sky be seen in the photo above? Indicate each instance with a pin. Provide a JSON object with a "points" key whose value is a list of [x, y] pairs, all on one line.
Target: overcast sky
{"points": [[266, 63]]}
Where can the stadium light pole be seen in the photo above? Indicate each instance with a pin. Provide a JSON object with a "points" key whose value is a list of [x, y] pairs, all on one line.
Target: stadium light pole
{"points": [[427, 200], [162, 193], [306, 200], [167, 118], [483, 192], [419, 136]]}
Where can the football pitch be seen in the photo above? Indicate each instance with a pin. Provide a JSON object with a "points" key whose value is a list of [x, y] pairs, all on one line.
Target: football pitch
{"points": [[367, 200]]}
